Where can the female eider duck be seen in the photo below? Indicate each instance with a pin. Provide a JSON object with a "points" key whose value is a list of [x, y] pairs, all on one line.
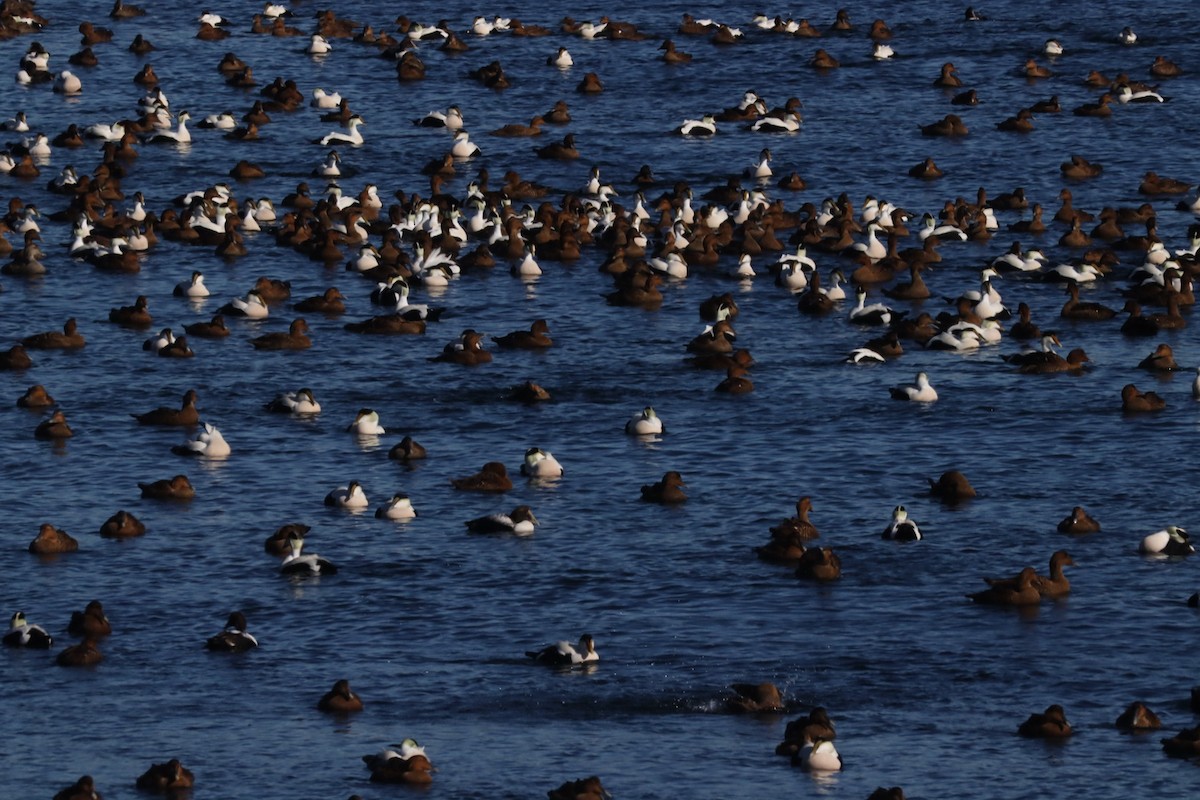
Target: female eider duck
{"points": [[1078, 522], [1138, 717], [233, 638], [492, 477], [22, 634], [91, 623], [1050, 724], [122, 525], [564, 654], [399, 508], [176, 488], [171, 778], [520, 522], [755, 698], [340, 699], [668, 490], [52, 541], [1170, 541]]}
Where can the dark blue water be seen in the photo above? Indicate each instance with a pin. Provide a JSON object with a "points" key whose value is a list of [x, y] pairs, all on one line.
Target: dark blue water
{"points": [[430, 624]]}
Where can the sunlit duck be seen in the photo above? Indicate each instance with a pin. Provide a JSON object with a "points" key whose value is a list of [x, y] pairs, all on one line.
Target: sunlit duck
{"points": [[340, 699], [1185, 744], [1052, 47], [1138, 717], [1127, 36], [1126, 94], [823, 60], [192, 288], [1134, 401], [176, 488], [349, 496], [922, 392], [1170, 541], [295, 339], [451, 118], [762, 168], [520, 522], [90, 623], [330, 302], [122, 525], [537, 337], [798, 527], [534, 128], [645, 423], [134, 316], [186, 414], [951, 487], [215, 329], [564, 654], [1023, 261], [68, 83], [881, 51], [901, 528], [1163, 67], [209, 443], [311, 564], [1051, 724], [233, 638], [705, 126], [467, 350], [22, 634], [819, 564], [253, 306], [539, 463], [1055, 584], [1078, 522], [1018, 591], [874, 314], [159, 340], [668, 490], [806, 730], [181, 135], [948, 79], [492, 477], [926, 170], [401, 763], [35, 396], [352, 137], [169, 778], [819, 756], [51, 540], [84, 654], [69, 339], [1075, 309], [318, 45]]}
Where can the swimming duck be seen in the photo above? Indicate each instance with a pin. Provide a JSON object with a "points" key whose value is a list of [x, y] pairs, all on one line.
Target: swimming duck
{"points": [[1018, 591], [22, 634], [901, 528], [1161, 360], [68, 83], [84, 654], [253, 306], [277, 543], [295, 339], [1138, 717], [402, 763], [340, 699], [209, 443], [467, 350], [820, 756], [563, 151], [1078, 522], [1127, 36], [35, 396], [159, 340], [1170, 541], [540, 464], [311, 564], [582, 789], [91, 623], [537, 337], [169, 778], [233, 638], [492, 477], [52, 541], [1055, 584], [1050, 724], [297, 402], [55, 427], [451, 119], [1134, 401], [520, 522], [180, 135], [69, 339], [122, 525], [1163, 67], [668, 490], [192, 288], [331, 302], [186, 414], [806, 730], [819, 564], [398, 508], [352, 136], [134, 316], [564, 654], [349, 496], [922, 392], [1185, 744], [874, 314], [645, 423], [926, 170], [176, 488], [1074, 309], [755, 698], [407, 450], [705, 126], [951, 487], [214, 329]]}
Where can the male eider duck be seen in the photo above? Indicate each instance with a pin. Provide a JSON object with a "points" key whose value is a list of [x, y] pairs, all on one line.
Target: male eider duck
{"points": [[901, 528], [540, 463], [520, 522], [311, 564], [349, 496], [922, 392], [1170, 541], [645, 423], [366, 423], [22, 634], [233, 638], [399, 508], [209, 443], [564, 654], [297, 402]]}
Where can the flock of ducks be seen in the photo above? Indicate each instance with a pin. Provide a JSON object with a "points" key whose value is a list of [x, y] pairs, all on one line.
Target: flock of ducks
{"points": [[427, 243]]}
